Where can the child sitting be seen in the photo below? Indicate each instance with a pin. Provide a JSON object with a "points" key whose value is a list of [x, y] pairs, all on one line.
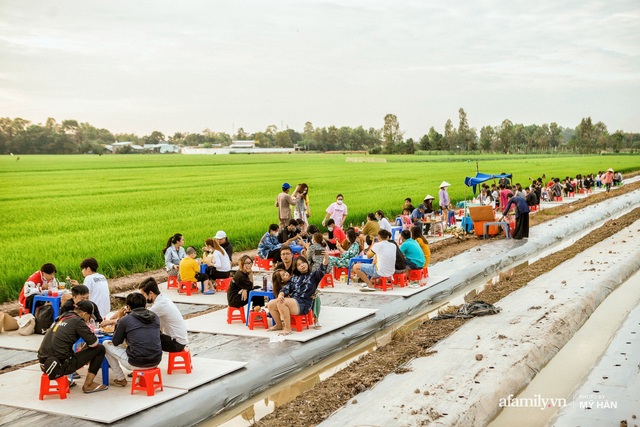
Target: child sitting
{"points": [[190, 271]]}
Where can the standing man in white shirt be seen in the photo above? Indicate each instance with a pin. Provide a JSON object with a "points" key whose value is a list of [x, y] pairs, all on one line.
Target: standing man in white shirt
{"points": [[98, 286], [173, 329]]}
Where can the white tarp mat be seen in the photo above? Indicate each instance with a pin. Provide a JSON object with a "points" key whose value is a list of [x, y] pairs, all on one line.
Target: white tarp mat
{"points": [[406, 291], [331, 318]]}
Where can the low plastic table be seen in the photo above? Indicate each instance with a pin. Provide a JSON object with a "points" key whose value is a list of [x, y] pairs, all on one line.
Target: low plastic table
{"points": [[356, 260], [55, 303], [505, 227], [257, 293]]}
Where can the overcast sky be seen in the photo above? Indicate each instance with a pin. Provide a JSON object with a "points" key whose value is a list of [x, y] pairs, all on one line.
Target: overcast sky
{"points": [[139, 66]]}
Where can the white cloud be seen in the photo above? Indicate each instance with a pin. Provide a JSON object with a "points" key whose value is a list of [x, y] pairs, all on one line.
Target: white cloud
{"points": [[189, 65]]}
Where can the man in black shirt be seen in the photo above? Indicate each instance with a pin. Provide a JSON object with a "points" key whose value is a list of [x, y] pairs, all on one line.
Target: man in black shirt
{"points": [[56, 354], [289, 234]]}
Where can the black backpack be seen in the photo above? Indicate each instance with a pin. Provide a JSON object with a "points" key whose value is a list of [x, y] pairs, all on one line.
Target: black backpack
{"points": [[44, 318]]}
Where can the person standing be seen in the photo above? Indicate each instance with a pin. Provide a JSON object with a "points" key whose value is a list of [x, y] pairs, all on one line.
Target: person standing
{"points": [[607, 179], [522, 216], [301, 210], [97, 284], [443, 199], [173, 329], [284, 202], [337, 211]]}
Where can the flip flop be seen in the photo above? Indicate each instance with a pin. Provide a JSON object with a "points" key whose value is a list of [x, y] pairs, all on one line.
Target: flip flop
{"points": [[99, 387], [281, 334], [209, 292], [273, 329]]}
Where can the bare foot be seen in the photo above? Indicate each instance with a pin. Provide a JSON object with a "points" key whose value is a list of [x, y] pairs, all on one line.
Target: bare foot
{"points": [[285, 332], [275, 328]]}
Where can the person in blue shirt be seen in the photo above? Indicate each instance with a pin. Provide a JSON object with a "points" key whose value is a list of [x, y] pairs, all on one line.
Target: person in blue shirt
{"points": [[522, 215], [411, 251], [269, 246]]}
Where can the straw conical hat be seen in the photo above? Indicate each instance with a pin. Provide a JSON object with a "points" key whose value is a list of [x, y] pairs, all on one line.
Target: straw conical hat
{"points": [[445, 184]]}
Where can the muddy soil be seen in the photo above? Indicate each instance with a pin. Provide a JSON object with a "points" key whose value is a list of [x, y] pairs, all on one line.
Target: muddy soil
{"points": [[316, 404]]}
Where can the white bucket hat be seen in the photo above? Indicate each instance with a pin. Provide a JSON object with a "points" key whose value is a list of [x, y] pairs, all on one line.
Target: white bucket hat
{"points": [[445, 184]]}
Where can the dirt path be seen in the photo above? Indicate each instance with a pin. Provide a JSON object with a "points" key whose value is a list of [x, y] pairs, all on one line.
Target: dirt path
{"points": [[316, 404]]}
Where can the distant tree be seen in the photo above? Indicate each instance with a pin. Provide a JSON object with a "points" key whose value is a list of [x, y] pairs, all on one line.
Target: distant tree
{"points": [[464, 133], [486, 138], [554, 135], [391, 133], [241, 134], [155, 137], [436, 139], [505, 136], [450, 136], [425, 144]]}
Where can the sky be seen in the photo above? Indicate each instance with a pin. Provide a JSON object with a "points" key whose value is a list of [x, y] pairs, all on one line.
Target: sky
{"points": [[186, 66]]}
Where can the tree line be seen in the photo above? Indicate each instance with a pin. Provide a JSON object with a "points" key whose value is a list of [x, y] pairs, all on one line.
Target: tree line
{"points": [[20, 136]]}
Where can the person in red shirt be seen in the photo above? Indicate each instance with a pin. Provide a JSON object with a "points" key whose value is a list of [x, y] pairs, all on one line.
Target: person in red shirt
{"points": [[38, 282], [336, 234]]}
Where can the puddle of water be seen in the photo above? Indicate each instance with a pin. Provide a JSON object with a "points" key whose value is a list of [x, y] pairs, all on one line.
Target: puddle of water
{"points": [[574, 361]]}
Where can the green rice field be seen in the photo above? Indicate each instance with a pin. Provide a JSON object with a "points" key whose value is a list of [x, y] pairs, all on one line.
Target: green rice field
{"points": [[121, 209]]}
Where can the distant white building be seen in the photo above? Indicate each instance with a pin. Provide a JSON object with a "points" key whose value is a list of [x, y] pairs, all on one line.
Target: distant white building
{"points": [[149, 148]]}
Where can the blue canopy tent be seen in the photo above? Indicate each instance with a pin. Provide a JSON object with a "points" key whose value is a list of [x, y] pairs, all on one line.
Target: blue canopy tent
{"points": [[482, 177]]}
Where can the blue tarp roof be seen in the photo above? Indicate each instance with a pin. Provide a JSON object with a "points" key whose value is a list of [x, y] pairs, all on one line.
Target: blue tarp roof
{"points": [[482, 177]]}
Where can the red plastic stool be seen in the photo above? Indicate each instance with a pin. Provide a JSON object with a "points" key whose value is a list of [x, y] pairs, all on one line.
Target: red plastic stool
{"points": [[558, 199], [185, 363], [326, 281], [300, 320], [400, 279], [383, 282], [264, 264], [53, 387], [571, 194], [337, 272], [425, 272], [172, 282], [145, 379], [223, 284], [253, 319], [232, 315], [188, 287], [415, 274]]}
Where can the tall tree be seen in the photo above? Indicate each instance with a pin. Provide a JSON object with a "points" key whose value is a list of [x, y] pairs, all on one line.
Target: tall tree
{"points": [[464, 134], [450, 136], [486, 138], [391, 132]]}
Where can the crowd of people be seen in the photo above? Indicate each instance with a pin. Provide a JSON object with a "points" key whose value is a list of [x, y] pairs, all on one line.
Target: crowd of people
{"points": [[150, 322]]}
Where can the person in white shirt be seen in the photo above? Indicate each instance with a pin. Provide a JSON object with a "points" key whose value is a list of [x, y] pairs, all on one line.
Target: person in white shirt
{"points": [[173, 329], [336, 211], [384, 261], [382, 221], [98, 286]]}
